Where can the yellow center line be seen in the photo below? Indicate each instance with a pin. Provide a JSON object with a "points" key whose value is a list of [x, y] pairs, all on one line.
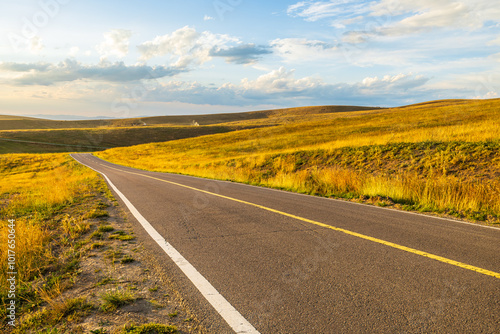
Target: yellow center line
{"points": [[355, 234]]}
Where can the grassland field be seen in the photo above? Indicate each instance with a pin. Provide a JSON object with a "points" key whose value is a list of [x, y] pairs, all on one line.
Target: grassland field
{"points": [[50, 197], [31, 135], [441, 157], [62, 227]]}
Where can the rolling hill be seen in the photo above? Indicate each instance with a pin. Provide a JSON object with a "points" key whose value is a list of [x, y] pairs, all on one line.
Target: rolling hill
{"points": [[24, 123], [34, 135], [439, 156]]}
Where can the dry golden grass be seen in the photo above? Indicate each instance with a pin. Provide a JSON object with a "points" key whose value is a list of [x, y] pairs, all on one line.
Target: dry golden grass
{"points": [[453, 194], [474, 121], [37, 185], [33, 189], [250, 155]]}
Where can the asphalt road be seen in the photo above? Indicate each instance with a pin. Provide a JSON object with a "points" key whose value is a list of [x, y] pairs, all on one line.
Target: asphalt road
{"points": [[290, 263]]}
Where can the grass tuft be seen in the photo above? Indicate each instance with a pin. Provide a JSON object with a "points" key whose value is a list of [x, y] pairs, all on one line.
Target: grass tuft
{"points": [[149, 329], [70, 310], [115, 299], [105, 228], [121, 235], [127, 259]]}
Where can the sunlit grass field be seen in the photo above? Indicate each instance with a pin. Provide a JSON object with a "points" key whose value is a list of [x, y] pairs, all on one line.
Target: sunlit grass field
{"points": [[34, 191], [441, 156]]}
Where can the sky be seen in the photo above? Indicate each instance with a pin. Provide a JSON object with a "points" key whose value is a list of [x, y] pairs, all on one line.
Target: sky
{"points": [[133, 58]]}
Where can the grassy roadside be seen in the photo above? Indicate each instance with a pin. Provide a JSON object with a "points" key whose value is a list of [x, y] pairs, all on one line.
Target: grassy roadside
{"points": [[439, 177], [35, 189], [78, 265], [440, 157]]}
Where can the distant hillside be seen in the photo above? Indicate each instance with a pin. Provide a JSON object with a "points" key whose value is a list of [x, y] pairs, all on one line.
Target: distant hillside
{"points": [[68, 117], [30, 123], [87, 140]]}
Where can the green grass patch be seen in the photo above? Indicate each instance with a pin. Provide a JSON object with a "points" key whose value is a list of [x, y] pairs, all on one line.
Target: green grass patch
{"points": [[105, 281], [127, 259], [149, 329], [97, 235], [105, 228], [156, 304], [70, 310], [121, 235], [112, 300], [99, 331], [97, 213], [113, 254], [96, 245]]}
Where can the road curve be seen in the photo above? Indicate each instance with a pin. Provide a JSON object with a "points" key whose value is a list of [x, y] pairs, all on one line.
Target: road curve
{"points": [[290, 263]]}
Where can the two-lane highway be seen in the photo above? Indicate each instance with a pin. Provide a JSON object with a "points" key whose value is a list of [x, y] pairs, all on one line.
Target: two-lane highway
{"points": [[255, 260]]}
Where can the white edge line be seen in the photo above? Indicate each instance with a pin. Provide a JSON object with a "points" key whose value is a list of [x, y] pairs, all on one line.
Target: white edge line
{"points": [[234, 319]]}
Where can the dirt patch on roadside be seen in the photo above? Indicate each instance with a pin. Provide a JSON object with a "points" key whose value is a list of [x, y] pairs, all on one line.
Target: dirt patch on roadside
{"points": [[117, 265], [113, 288]]}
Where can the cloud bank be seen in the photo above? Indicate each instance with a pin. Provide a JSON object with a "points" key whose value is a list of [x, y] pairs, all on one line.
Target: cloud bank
{"points": [[70, 70], [397, 18], [241, 54], [281, 85], [187, 46]]}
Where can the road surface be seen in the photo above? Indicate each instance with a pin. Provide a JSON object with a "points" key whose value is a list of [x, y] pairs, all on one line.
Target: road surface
{"points": [[257, 260]]}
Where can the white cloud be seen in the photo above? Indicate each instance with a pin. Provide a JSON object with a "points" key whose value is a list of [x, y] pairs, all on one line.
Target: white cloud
{"points": [[70, 70], [494, 42], [400, 82], [116, 43], [317, 10], [495, 57], [356, 37], [241, 54], [398, 17], [208, 18], [489, 95], [36, 44], [444, 12], [73, 51], [179, 43], [301, 49], [187, 46], [295, 7], [470, 85], [281, 80], [184, 46], [281, 85], [427, 15]]}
